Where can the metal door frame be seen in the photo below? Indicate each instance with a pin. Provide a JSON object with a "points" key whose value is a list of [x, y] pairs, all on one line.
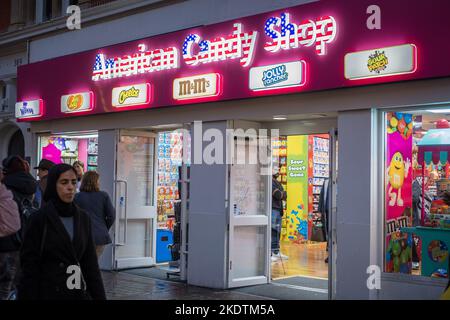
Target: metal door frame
{"points": [[126, 261], [254, 220]]}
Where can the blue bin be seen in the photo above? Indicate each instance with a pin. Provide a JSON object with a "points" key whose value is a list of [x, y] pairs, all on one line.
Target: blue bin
{"points": [[164, 238]]}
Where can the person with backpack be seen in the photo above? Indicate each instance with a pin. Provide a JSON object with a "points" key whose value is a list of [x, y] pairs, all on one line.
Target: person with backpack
{"points": [[99, 207], [58, 251], [23, 187]]}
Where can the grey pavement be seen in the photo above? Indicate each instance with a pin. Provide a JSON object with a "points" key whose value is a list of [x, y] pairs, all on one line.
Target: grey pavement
{"points": [[126, 286]]}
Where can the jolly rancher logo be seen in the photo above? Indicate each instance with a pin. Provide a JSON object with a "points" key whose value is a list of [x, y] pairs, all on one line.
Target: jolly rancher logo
{"points": [[130, 93], [377, 62], [275, 75]]}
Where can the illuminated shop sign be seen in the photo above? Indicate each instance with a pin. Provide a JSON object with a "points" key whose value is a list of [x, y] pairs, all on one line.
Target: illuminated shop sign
{"points": [[290, 74], [77, 102], [142, 62], [289, 35], [381, 62], [132, 95], [239, 45], [29, 109], [201, 86]]}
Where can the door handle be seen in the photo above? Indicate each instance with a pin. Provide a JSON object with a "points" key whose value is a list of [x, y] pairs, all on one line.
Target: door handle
{"points": [[125, 204]]}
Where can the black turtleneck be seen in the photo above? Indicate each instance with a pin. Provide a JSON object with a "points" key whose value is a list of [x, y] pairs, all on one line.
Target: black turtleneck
{"points": [[66, 211]]}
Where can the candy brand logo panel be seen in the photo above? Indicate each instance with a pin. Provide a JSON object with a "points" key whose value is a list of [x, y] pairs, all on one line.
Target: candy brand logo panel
{"points": [[201, 86], [290, 74], [77, 102], [132, 95], [381, 62]]}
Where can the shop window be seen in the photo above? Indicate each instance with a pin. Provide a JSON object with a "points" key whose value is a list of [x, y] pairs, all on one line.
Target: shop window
{"points": [[417, 192], [70, 148]]}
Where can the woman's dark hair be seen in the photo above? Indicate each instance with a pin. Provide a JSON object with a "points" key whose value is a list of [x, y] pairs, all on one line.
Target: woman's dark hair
{"points": [[52, 179], [14, 164], [90, 183]]}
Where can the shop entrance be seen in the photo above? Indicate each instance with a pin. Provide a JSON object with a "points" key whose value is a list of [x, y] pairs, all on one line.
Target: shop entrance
{"points": [[302, 250], [135, 201], [301, 163], [151, 200]]}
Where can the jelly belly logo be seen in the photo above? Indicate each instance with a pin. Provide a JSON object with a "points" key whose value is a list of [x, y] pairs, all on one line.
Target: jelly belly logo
{"points": [[377, 62], [381, 62], [77, 102], [201, 86], [29, 109], [133, 95], [290, 74]]}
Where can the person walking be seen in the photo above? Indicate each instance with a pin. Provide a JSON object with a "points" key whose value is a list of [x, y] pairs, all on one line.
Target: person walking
{"points": [[79, 169], [43, 167], [323, 208], [99, 207], [58, 257], [23, 187], [278, 195]]}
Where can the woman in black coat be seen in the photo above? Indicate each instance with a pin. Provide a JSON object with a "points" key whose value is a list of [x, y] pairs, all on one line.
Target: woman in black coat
{"points": [[58, 244]]}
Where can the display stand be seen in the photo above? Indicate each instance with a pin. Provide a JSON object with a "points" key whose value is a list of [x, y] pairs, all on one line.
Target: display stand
{"points": [[320, 161], [435, 230], [92, 157], [169, 160], [279, 157], [435, 253]]}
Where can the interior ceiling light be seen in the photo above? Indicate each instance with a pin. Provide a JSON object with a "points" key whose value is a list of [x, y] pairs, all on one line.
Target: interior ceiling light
{"points": [[77, 136], [279, 117], [439, 110]]}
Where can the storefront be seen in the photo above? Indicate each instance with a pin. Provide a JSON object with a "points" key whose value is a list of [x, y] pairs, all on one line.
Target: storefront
{"points": [[305, 78]]}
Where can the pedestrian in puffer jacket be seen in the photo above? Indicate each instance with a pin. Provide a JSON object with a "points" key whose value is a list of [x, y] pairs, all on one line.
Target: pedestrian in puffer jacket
{"points": [[23, 186]]}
